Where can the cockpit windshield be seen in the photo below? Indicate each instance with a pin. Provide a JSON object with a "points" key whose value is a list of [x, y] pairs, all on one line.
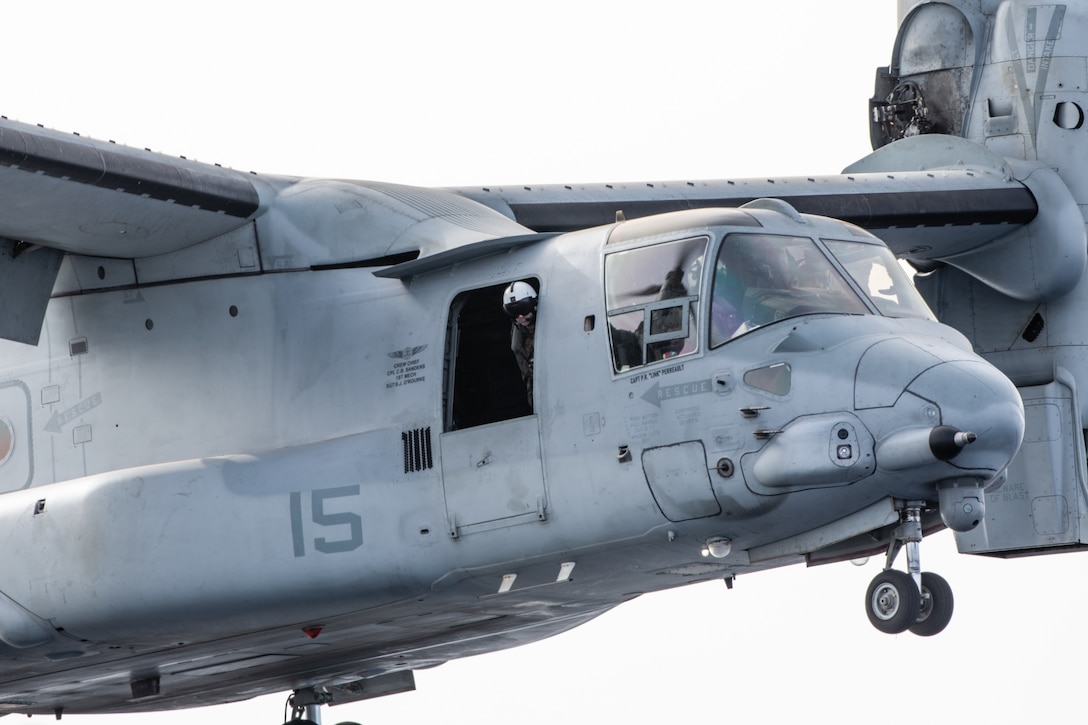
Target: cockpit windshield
{"points": [[875, 270], [763, 278]]}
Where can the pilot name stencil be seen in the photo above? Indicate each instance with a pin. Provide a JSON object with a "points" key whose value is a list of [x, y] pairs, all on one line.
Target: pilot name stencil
{"points": [[657, 373], [408, 369]]}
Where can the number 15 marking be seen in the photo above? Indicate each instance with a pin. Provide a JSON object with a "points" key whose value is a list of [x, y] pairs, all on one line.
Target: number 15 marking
{"points": [[319, 517]]}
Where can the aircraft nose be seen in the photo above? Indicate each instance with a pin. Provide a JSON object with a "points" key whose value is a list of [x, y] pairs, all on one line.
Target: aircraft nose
{"points": [[941, 390], [974, 397]]}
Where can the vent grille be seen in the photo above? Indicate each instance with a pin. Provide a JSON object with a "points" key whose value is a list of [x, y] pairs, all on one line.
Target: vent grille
{"points": [[1034, 329], [417, 450]]}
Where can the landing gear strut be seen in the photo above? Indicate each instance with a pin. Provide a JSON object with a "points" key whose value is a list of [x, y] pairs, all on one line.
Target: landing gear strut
{"points": [[898, 601], [306, 706]]}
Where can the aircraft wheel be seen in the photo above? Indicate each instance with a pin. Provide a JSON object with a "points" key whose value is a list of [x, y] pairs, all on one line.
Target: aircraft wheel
{"points": [[892, 601], [936, 607]]}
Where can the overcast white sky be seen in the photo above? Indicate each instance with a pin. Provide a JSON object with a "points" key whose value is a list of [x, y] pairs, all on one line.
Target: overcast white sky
{"points": [[472, 92]]}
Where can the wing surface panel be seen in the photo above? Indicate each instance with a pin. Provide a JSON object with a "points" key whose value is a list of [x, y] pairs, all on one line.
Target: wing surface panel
{"points": [[102, 199], [965, 207]]}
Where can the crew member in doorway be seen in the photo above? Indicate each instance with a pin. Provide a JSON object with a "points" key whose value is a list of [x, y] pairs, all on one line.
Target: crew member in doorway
{"points": [[519, 302]]}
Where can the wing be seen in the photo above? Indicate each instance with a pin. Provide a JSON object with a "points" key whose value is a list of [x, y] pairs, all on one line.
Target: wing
{"points": [[887, 204], [102, 199], [933, 199], [63, 194]]}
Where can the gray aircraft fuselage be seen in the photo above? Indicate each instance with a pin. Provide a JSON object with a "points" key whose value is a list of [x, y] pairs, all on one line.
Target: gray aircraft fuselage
{"points": [[265, 433], [256, 456]]}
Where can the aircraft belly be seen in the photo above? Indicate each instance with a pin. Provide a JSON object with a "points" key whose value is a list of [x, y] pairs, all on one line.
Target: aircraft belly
{"points": [[463, 612], [408, 635]]}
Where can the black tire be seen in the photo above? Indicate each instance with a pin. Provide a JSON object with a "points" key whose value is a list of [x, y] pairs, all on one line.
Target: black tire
{"points": [[936, 607], [892, 601]]}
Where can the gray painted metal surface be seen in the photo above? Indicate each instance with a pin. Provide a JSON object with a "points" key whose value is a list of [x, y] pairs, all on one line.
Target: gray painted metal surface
{"points": [[196, 446], [283, 415]]}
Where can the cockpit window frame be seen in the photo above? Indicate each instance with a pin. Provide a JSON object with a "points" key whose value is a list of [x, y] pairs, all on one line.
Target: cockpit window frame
{"points": [[916, 308], [651, 327], [839, 287]]}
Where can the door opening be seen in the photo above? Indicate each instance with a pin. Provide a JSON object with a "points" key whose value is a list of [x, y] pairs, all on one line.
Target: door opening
{"points": [[483, 381]]}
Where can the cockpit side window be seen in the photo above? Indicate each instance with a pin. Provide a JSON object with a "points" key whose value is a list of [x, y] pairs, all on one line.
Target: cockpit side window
{"points": [[763, 278], [879, 275], [652, 294]]}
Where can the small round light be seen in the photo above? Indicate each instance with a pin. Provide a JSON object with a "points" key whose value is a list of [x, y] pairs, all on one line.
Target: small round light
{"points": [[719, 547]]}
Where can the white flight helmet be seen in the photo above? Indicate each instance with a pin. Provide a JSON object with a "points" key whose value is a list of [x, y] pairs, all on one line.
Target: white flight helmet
{"points": [[519, 299]]}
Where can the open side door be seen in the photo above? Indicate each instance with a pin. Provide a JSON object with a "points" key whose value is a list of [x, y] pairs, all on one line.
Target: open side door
{"points": [[492, 473]]}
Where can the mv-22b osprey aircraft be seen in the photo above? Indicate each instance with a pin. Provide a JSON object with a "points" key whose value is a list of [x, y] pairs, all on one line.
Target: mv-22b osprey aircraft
{"points": [[263, 433]]}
